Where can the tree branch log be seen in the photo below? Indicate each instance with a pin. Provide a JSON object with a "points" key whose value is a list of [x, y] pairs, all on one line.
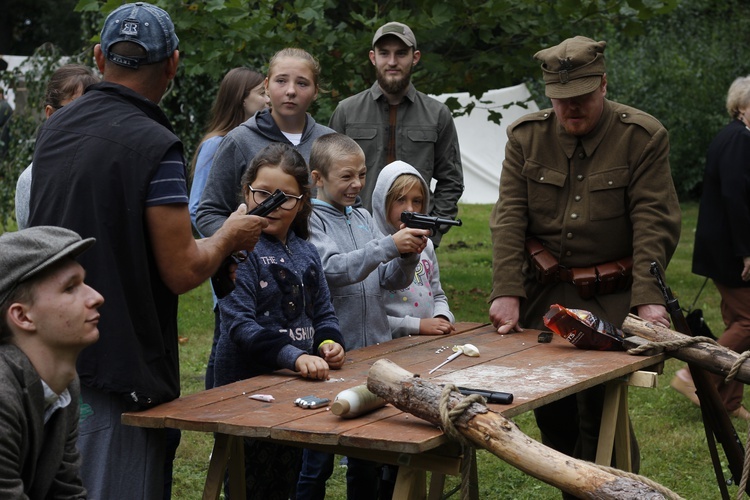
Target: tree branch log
{"points": [[502, 437], [711, 357]]}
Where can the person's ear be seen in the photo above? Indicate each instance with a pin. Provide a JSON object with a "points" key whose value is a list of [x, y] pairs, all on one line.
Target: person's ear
{"points": [[18, 316], [172, 63], [416, 57], [48, 110], [317, 178], [99, 57], [372, 57]]}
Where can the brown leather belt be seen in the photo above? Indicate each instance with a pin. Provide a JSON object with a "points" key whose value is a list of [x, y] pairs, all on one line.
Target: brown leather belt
{"points": [[600, 279]]}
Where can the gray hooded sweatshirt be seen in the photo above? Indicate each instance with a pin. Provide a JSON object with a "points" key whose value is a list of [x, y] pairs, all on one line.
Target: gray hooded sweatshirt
{"points": [[424, 296], [358, 260]]}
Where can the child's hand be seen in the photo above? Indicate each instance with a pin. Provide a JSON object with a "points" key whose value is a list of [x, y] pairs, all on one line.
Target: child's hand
{"points": [[311, 367], [334, 355], [435, 326], [410, 240]]}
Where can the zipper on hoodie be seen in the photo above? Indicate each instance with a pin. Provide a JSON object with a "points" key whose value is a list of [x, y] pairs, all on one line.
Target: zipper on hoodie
{"points": [[296, 273], [362, 289]]}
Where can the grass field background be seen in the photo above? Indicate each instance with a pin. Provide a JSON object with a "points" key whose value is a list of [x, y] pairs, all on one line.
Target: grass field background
{"points": [[668, 426]]}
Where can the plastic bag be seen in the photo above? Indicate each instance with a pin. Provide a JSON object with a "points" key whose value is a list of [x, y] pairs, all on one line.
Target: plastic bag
{"points": [[583, 329]]}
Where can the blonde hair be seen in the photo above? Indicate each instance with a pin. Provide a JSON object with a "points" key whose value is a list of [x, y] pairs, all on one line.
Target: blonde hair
{"points": [[738, 96], [402, 185], [312, 62], [329, 147]]}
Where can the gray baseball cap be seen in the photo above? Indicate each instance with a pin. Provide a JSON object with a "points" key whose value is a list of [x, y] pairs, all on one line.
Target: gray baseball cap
{"points": [[400, 30], [28, 252]]}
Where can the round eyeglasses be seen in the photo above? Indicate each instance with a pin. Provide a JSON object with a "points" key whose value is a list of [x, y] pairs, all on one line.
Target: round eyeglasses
{"points": [[261, 195]]}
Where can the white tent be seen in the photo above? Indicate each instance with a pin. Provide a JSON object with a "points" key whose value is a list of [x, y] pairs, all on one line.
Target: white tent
{"points": [[482, 142]]}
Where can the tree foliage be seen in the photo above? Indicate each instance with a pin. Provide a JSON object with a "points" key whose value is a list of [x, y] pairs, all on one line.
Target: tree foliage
{"points": [[467, 46], [680, 71]]}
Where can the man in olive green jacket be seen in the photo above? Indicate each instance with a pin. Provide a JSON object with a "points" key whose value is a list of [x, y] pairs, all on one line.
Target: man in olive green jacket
{"points": [[589, 179]]}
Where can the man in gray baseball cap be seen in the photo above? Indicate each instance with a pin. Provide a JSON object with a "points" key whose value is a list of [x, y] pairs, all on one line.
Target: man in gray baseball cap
{"points": [[47, 316], [392, 121]]}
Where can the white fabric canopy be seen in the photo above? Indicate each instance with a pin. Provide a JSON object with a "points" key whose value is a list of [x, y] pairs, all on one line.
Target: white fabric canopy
{"points": [[482, 142]]}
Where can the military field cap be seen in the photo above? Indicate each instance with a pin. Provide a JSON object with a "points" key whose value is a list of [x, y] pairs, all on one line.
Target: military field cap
{"points": [[28, 252], [573, 68], [141, 23], [400, 30]]}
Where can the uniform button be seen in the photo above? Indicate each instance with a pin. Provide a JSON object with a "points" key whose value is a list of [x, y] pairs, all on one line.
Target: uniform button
{"points": [[577, 197], [581, 155], [574, 216], [541, 178], [568, 253], [609, 183], [579, 177], [569, 236], [624, 115], [546, 115]]}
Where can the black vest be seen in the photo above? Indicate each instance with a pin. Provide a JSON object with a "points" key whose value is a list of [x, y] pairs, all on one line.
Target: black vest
{"points": [[92, 166]]}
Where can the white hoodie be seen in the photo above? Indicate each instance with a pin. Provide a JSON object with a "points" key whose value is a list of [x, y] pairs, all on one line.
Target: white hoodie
{"points": [[424, 297]]}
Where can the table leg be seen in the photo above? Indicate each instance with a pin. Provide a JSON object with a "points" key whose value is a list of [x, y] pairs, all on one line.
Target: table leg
{"points": [[410, 484], [228, 450], [614, 429], [217, 467], [437, 485], [469, 475]]}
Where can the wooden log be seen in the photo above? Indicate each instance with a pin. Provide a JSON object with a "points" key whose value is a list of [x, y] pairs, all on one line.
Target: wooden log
{"points": [[490, 430], [711, 357]]}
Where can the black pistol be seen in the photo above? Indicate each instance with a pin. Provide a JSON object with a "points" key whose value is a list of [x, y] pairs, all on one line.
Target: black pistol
{"points": [[415, 220], [222, 283], [496, 397]]}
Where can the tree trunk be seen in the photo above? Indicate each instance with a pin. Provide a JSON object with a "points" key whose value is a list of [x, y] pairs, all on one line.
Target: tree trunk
{"points": [[711, 357], [490, 430]]}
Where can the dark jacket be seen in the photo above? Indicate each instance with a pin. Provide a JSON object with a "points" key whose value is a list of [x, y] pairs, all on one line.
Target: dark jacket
{"points": [[36, 460], [93, 163], [722, 237], [280, 310]]}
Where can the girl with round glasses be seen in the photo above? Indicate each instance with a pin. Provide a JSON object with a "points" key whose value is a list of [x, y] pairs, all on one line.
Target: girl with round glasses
{"points": [[280, 313]]}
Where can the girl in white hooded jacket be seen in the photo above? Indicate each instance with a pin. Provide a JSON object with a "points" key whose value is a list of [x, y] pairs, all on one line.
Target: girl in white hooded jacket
{"points": [[422, 307]]}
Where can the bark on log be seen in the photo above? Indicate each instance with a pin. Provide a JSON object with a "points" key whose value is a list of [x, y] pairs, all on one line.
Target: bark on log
{"points": [[490, 430], [714, 358]]}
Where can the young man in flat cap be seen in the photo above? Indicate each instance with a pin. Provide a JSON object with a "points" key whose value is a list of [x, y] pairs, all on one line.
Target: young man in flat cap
{"points": [[586, 185], [47, 316], [393, 121], [108, 165]]}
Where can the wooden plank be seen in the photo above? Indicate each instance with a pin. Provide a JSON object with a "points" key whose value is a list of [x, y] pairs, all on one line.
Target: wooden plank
{"points": [[155, 417], [401, 432], [326, 428]]}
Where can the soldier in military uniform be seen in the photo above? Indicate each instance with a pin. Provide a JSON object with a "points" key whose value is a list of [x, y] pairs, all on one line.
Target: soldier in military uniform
{"points": [[586, 187]]}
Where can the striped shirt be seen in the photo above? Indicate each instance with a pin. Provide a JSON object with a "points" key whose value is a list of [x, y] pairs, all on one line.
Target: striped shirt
{"points": [[169, 183]]}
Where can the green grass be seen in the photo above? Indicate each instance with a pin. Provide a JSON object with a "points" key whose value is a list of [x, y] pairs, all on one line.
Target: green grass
{"points": [[668, 426]]}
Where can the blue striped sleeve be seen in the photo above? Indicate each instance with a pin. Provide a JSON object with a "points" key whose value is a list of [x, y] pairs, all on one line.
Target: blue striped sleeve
{"points": [[169, 184]]}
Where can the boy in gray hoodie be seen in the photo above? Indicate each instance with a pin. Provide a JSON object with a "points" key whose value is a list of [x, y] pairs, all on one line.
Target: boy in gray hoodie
{"points": [[358, 261]]}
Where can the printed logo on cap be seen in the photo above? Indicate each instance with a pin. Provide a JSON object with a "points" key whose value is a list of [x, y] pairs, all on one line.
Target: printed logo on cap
{"points": [[129, 27]]}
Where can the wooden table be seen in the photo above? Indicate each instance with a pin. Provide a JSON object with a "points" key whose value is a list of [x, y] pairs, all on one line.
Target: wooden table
{"points": [[535, 373]]}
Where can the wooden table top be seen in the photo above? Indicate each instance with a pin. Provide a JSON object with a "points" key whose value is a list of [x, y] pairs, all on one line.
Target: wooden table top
{"points": [[533, 372]]}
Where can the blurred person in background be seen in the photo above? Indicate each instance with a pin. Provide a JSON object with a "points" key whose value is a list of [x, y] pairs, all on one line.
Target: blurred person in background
{"points": [[722, 239], [241, 94], [66, 84]]}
